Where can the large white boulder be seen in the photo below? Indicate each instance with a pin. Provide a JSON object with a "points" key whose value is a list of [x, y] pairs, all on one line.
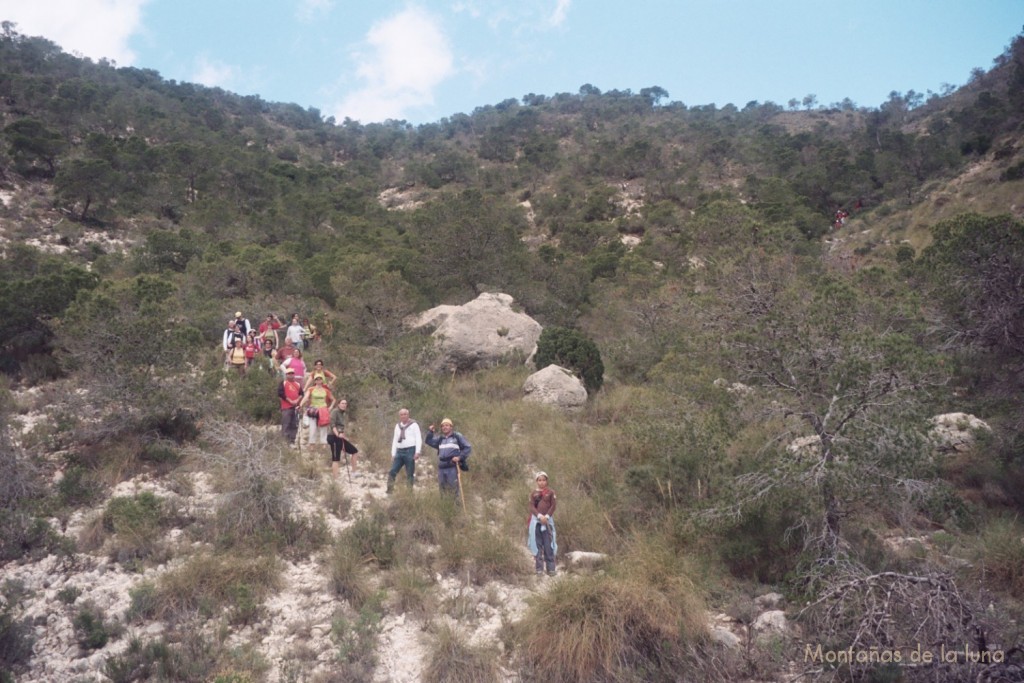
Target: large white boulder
{"points": [[480, 333], [555, 386], [956, 432]]}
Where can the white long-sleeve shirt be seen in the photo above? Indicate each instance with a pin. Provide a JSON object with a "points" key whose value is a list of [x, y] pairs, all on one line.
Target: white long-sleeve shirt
{"points": [[413, 437]]}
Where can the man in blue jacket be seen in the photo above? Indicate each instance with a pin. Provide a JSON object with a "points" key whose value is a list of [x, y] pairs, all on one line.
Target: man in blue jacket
{"points": [[452, 452]]}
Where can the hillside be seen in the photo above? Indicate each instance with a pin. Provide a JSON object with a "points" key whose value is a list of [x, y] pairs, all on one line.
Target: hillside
{"points": [[807, 437]]}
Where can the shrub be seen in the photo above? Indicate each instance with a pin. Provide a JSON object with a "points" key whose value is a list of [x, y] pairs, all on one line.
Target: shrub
{"points": [[410, 590], [357, 641], [91, 628], [69, 594], [453, 660], [571, 349], [373, 539], [1001, 551], [347, 575], [15, 642], [206, 584], [606, 628], [137, 523]]}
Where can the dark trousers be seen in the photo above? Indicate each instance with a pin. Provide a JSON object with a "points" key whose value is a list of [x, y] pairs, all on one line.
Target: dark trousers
{"points": [[545, 557], [289, 424], [339, 446], [404, 457], [448, 480]]}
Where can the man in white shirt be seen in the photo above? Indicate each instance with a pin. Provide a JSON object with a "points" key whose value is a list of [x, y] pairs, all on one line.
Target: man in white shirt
{"points": [[406, 446]]}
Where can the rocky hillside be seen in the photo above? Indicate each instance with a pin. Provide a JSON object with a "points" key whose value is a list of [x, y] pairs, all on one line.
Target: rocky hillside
{"points": [[777, 428]]}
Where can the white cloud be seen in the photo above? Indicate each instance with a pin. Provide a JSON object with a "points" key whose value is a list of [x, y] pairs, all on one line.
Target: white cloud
{"points": [[213, 74], [94, 28], [561, 12], [522, 16], [404, 59], [309, 10]]}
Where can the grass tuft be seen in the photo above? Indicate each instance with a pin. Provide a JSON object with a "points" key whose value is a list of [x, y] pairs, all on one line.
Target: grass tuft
{"points": [[454, 660]]}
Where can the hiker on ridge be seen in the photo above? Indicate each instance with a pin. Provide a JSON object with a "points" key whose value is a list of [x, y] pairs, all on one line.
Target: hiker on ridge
{"points": [[406, 447], [338, 442], [452, 451], [290, 393], [541, 535]]}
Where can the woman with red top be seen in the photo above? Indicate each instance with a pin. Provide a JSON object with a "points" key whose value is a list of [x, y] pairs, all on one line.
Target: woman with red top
{"points": [[542, 538]]}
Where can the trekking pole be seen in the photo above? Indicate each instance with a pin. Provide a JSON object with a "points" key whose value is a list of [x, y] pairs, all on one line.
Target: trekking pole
{"points": [[348, 460], [462, 494]]}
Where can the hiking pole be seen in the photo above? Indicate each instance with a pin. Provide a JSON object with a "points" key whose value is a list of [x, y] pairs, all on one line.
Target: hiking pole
{"points": [[348, 460], [462, 494]]}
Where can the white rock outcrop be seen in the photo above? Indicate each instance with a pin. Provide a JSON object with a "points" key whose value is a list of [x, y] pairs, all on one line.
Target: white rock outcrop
{"points": [[480, 333], [555, 386], [956, 432]]}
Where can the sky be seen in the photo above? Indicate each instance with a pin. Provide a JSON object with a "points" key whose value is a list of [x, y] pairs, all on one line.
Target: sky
{"points": [[374, 60]]}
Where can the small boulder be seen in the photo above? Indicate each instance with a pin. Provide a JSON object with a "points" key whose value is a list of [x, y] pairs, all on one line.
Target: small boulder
{"points": [[769, 601], [724, 637], [555, 386], [580, 559], [771, 623]]}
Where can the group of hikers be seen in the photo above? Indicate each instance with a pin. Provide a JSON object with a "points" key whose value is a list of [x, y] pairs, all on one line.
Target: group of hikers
{"points": [[305, 396], [245, 346]]}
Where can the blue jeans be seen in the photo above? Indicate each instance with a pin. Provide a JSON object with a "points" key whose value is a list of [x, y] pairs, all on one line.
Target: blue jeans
{"points": [[404, 457], [545, 553]]}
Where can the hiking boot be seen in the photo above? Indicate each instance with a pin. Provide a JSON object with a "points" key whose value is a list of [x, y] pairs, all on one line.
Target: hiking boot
{"points": [[550, 572]]}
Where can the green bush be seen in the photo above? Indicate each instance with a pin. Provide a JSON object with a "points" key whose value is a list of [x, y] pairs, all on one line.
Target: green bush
{"points": [[91, 628], [573, 350], [15, 642], [357, 641]]}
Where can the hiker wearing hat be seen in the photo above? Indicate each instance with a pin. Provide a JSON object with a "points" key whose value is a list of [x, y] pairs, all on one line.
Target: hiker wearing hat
{"points": [[243, 324], [452, 452], [290, 393], [406, 446], [541, 535]]}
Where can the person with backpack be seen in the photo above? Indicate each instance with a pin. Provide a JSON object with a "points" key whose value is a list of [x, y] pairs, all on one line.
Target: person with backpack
{"points": [[406, 446], [242, 324], [236, 357], [227, 344], [290, 393], [541, 537], [452, 452]]}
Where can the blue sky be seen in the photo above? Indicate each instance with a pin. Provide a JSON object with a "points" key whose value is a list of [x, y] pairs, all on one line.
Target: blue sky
{"points": [[422, 61]]}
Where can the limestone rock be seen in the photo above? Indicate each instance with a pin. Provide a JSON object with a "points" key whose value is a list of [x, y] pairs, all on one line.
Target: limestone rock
{"points": [[481, 333], [580, 559], [555, 386], [769, 601], [724, 637], [956, 432], [771, 623]]}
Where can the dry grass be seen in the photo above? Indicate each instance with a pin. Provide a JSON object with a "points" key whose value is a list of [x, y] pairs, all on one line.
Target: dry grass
{"points": [[1001, 555], [207, 584], [638, 623], [454, 660]]}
